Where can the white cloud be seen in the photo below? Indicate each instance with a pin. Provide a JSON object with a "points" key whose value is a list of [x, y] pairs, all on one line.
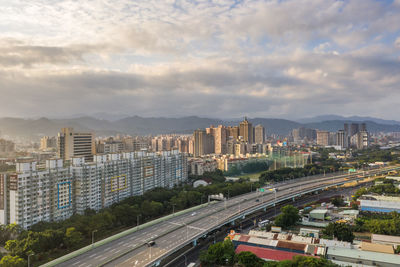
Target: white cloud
{"points": [[267, 57]]}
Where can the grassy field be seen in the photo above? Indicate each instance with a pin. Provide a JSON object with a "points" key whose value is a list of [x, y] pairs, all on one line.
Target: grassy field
{"points": [[253, 176]]}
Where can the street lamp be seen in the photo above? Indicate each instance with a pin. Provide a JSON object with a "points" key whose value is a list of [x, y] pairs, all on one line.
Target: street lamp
{"points": [[29, 255], [94, 231], [185, 259], [173, 209]]}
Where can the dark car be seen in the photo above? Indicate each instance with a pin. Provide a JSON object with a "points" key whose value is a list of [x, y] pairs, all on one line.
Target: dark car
{"points": [[151, 243]]}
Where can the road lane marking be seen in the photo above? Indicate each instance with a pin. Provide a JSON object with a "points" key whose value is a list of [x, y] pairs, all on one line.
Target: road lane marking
{"points": [[76, 263], [91, 256]]}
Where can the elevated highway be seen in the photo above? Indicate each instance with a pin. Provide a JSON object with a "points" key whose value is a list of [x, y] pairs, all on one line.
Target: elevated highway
{"points": [[175, 232]]}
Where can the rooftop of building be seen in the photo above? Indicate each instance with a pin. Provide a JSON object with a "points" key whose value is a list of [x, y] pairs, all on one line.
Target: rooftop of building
{"points": [[268, 254], [363, 255], [366, 246], [385, 238]]}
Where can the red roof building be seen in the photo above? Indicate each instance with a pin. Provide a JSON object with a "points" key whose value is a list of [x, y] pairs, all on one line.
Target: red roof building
{"points": [[268, 254]]}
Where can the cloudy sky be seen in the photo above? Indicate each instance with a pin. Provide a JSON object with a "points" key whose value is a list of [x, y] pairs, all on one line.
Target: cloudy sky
{"points": [[220, 58]]}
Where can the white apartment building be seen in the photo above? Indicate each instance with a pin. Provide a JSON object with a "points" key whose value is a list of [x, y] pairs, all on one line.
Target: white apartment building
{"points": [[56, 192]]}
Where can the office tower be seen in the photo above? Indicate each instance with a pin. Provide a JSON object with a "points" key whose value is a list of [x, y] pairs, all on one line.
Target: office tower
{"points": [[73, 144], [233, 131], [259, 134], [203, 143], [342, 139], [354, 129], [323, 138], [31, 195], [246, 131]]}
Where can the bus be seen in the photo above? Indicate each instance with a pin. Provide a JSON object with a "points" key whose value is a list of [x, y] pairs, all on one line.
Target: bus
{"points": [[263, 223]]}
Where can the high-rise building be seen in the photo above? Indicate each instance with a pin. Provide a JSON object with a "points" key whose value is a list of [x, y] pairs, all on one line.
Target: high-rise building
{"points": [[203, 143], [110, 146], [360, 140], [47, 142], [246, 131], [259, 134], [342, 139], [354, 128], [363, 127], [233, 131], [73, 144], [31, 195], [323, 138], [346, 129], [220, 138]]}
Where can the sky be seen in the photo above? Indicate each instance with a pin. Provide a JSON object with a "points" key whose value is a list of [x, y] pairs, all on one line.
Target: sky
{"points": [[221, 59]]}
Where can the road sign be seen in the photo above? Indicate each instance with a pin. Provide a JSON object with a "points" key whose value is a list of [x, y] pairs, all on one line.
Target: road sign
{"points": [[262, 189], [352, 170]]}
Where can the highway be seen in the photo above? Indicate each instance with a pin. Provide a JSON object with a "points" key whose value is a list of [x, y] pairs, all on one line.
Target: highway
{"points": [[174, 233]]}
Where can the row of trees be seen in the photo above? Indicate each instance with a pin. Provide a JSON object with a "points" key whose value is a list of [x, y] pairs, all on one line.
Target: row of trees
{"points": [[293, 173], [388, 224], [223, 254], [387, 188], [47, 240]]}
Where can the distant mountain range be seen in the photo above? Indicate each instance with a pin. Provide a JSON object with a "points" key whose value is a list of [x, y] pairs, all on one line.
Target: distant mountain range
{"points": [[35, 128], [322, 118]]}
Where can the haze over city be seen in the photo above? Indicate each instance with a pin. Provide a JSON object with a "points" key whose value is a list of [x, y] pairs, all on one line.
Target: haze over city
{"points": [[221, 59]]}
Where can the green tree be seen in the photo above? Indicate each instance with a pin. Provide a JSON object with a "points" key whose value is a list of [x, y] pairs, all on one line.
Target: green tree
{"points": [[73, 238], [289, 216], [221, 253], [248, 259], [12, 261], [338, 202], [341, 231]]}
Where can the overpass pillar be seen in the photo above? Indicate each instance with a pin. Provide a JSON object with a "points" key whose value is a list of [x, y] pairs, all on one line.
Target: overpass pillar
{"points": [[233, 222], [194, 242], [293, 199], [265, 209]]}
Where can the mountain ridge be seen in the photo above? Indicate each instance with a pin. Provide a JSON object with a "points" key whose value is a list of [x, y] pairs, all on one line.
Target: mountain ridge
{"points": [[136, 125]]}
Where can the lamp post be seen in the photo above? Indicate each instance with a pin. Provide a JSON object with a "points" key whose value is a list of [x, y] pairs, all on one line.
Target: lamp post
{"points": [[29, 255], [185, 259], [173, 209], [94, 231]]}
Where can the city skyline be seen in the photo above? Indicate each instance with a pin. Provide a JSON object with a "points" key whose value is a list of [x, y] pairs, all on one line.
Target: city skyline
{"points": [[258, 58]]}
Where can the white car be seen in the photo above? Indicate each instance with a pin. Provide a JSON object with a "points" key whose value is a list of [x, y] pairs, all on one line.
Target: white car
{"points": [[194, 213]]}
